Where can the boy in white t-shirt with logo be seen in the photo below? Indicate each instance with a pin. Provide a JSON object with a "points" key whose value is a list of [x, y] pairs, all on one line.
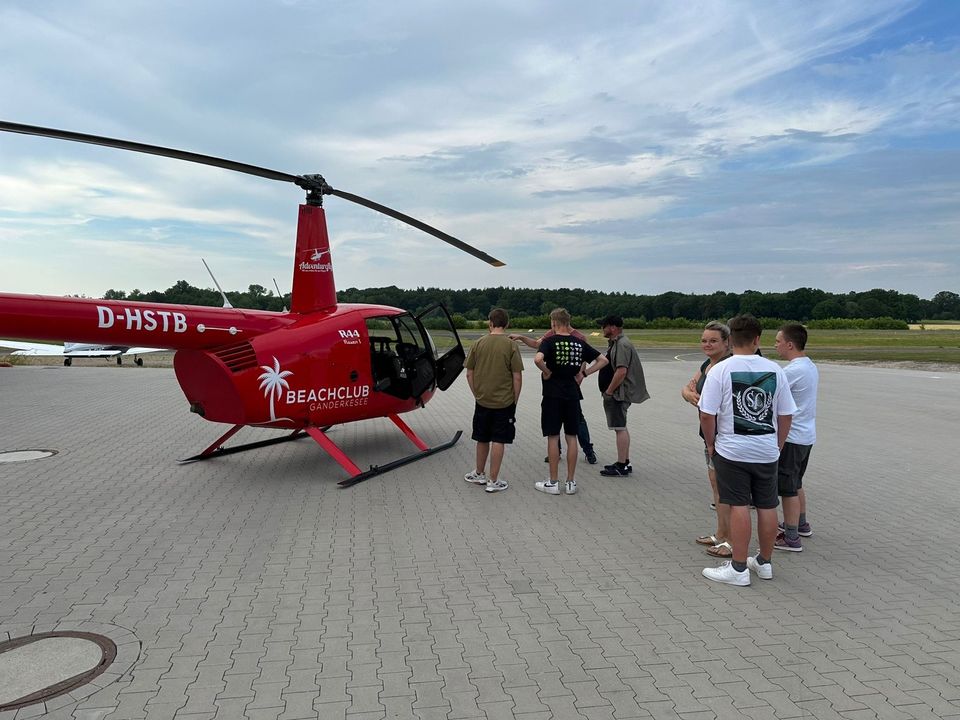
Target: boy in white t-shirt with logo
{"points": [[745, 413]]}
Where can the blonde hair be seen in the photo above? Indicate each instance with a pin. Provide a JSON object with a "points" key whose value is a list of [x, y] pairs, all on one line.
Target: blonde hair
{"points": [[560, 316], [720, 327]]}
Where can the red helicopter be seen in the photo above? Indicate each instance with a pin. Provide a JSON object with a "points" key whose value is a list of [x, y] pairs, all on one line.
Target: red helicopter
{"points": [[320, 364]]}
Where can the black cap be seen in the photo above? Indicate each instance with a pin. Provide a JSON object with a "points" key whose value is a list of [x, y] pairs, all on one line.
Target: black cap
{"points": [[612, 320]]}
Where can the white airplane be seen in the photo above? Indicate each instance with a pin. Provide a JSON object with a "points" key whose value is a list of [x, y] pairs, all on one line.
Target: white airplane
{"points": [[70, 350]]}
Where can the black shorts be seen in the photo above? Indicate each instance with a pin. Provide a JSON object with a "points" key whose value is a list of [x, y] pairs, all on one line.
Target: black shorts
{"points": [[792, 466], [743, 483], [557, 413], [494, 424]]}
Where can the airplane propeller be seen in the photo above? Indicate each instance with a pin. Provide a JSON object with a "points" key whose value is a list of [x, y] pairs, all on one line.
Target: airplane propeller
{"points": [[315, 185]]}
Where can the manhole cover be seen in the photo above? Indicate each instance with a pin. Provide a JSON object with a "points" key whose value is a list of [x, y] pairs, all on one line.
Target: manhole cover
{"points": [[24, 455], [35, 668]]}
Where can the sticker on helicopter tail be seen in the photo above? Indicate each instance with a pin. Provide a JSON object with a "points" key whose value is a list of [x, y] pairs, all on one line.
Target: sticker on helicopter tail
{"points": [[316, 262]]}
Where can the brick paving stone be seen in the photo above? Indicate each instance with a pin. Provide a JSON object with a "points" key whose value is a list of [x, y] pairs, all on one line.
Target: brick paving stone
{"points": [[365, 699], [563, 706], [256, 586], [463, 705]]}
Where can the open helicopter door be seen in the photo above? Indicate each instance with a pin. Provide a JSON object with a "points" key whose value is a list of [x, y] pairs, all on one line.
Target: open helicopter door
{"points": [[448, 351]]}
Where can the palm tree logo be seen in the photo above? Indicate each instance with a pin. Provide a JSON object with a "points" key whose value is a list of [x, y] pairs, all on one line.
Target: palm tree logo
{"points": [[273, 384]]}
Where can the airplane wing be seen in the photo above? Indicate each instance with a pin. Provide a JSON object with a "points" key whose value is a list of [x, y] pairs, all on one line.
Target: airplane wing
{"points": [[50, 350], [105, 352], [25, 348]]}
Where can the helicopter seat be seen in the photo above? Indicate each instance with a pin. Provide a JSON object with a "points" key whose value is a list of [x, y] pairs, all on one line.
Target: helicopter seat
{"points": [[385, 363], [408, 352]]}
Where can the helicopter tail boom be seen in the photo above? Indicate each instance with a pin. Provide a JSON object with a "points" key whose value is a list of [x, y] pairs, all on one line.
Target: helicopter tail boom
{"points": [[313, 285], [131, 324]]}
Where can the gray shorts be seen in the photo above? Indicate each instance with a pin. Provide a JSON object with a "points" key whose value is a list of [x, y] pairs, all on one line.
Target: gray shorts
{"points": [[616, 412]]}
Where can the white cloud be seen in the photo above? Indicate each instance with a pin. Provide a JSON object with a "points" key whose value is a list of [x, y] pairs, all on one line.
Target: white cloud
{"points": [[551, 133]]}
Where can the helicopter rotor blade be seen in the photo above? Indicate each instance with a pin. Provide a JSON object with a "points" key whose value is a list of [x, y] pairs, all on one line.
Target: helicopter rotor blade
{"points": [[422, 226], [148, 149], [311, 183]]}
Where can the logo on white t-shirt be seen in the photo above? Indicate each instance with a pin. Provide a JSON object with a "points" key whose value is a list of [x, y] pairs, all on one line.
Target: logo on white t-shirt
{"points": [[753, 394]]}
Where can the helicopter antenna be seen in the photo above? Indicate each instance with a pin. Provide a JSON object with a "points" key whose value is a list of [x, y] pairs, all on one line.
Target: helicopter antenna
{"points": [[226, 303], [315, 186], [280, 294]]}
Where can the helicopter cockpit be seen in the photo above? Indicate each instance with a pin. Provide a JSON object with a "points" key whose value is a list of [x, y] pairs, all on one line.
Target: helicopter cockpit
{"points": [[406, 360]]}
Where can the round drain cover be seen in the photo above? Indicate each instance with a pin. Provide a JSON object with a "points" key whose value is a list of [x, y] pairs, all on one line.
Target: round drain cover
{"points": [[24, 455], [39, 667]]}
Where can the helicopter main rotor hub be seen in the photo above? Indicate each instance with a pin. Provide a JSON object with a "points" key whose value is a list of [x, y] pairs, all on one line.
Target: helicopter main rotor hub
{"points": [[316, 188]]}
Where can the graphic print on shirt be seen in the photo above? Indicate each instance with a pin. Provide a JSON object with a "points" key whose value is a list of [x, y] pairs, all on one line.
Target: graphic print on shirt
{"points": [[753, 394], [569, 353]]}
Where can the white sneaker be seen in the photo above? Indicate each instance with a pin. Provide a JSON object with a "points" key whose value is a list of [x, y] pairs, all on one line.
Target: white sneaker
{"points": [[571, 487], [476, 478], [496, 486], [764, 572], [551, 488], [725, 573]]}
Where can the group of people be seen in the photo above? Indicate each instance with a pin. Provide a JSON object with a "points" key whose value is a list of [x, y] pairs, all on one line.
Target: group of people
{"points": [[757, 422], [564, 358]]}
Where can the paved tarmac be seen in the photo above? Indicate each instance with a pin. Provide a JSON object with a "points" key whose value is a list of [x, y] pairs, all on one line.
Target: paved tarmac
{"points": [[257, 588]]}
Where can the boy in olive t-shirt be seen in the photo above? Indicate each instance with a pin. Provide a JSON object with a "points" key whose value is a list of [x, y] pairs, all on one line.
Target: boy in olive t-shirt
{"points": [[494, 374]]}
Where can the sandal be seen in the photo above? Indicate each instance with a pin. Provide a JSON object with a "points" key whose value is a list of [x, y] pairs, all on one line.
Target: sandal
{"points": [[721, 550], [707, 540]]}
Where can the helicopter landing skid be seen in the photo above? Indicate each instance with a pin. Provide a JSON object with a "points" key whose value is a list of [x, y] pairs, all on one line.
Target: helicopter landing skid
{"points": [[217, 449], [357, 475], [342, 459]]}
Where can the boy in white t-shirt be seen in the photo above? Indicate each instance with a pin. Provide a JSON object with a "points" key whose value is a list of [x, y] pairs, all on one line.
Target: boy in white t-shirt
{"points": [[804, 379], [745, 414]]}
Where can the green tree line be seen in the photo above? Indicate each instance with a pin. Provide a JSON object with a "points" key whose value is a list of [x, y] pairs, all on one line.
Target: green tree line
{"points": [[801, 304]]}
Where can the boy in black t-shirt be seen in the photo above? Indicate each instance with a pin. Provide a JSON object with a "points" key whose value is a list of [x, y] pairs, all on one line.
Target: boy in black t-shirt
{"points": [[564, 361]]}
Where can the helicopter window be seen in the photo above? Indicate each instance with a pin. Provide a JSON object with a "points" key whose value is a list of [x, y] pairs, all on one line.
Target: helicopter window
{"points": [[408, 332], [382, 334], [401, 360], [441, 333]]}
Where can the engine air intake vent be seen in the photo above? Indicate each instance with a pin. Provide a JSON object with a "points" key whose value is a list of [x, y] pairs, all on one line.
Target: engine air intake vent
{"points": [[238, 357]]}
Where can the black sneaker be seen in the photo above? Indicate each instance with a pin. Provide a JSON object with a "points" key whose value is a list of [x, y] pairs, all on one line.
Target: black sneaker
{"points": [[616, 470], [591, 456]]}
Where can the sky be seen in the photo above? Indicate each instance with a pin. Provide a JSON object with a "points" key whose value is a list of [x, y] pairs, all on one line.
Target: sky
{"points": [[628, 145]]}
